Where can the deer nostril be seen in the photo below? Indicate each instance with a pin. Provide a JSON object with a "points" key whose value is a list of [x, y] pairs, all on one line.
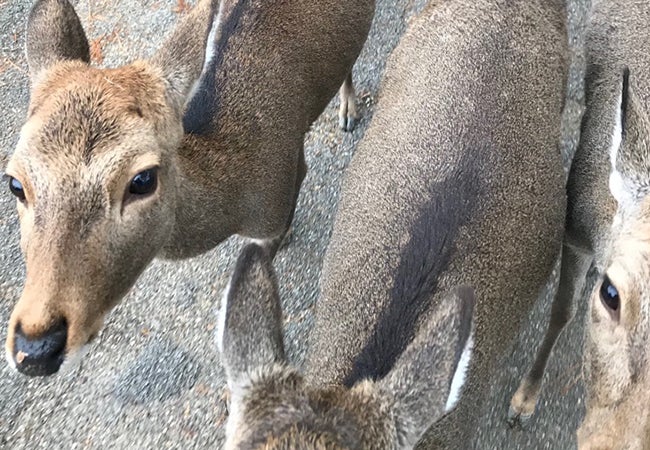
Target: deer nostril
{"points": [[42, 355]]}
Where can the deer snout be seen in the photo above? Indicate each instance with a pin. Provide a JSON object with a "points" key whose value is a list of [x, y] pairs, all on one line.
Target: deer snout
{"points": [[42, 354]]}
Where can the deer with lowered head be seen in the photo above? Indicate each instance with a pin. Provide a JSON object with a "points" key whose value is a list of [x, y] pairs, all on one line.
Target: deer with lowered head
{"points": [[165, 157], [274, 407], [608, 226], [458, 181]]}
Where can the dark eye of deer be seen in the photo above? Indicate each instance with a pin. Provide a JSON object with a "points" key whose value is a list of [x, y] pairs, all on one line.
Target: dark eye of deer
{"points": [[609, 294], [16, 188], [144, 182]]}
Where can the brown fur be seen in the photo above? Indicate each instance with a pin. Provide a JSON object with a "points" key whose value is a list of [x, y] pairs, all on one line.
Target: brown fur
{"points": [[90, 130], [274, 407], [458, 180], [610, 234]]}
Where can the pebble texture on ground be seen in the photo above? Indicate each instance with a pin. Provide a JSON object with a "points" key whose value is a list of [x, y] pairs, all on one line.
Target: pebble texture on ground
{"points": [[153, 377]]}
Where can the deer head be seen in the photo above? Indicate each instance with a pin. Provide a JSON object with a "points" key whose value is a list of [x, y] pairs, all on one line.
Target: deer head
{"points": [[95, 176], [617, 355], [273, 407]]}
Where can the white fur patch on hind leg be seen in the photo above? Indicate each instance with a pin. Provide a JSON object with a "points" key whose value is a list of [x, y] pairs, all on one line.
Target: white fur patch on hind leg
{"points": [[460, 376]]}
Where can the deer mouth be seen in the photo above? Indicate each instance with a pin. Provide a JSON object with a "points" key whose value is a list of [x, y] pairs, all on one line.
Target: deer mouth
{"points": [[46, 354], [66, 364]]}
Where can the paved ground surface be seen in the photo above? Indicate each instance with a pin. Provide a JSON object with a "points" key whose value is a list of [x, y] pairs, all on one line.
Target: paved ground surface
{"points": [[153, 378]]}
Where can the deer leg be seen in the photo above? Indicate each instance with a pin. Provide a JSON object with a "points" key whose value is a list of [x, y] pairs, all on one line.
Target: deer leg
{"points": [[278, 242], [348, 110], [573, 271]]}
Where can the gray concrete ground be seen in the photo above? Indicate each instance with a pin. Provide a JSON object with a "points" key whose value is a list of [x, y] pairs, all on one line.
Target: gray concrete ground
{"points": [[153, 378]]}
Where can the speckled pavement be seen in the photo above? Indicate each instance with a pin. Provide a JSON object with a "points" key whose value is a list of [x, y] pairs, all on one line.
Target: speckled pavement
{"points": [[153, 378]]}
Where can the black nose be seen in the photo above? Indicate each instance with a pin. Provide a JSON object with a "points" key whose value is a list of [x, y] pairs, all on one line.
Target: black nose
{"points": [[42, 355]]}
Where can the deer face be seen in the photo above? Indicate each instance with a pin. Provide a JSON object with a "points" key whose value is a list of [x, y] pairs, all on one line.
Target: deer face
{"points": [[616, 361], [95, 178], [95, 183], [616, 347]]}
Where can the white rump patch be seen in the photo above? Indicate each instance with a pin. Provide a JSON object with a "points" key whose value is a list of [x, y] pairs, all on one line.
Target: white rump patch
{"points": [[221, 318], [460, 375]]}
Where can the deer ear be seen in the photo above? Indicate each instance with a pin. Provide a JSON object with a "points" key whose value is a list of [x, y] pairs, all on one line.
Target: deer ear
{"points": [[188, 51], [629, 151], [427, 380], [54, 33], [250, 329]]}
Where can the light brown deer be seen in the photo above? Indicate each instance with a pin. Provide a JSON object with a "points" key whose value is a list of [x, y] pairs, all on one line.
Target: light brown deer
{"points": [[608, 225], [165, 157], [274, 407], [458, 181]]}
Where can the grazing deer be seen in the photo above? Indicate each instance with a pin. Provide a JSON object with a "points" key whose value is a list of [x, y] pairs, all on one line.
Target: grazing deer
{"points": [[608, 225], [274, 407], [458, 181], [165, 157]]}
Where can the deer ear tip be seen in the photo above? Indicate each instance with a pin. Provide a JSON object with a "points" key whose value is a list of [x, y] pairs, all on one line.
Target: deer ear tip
{"points": [[54, 33]]}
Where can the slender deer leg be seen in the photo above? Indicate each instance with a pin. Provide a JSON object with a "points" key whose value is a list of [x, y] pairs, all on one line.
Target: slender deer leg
{"points": [[348, 110], [573, 271]]}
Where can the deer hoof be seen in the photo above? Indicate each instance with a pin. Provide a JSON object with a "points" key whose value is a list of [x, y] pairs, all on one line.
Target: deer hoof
{"points": [[520, 413], [523, 404], [517, 419], [347, 123]]}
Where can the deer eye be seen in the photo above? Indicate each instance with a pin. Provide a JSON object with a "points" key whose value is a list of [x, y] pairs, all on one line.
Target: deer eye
{"points": [[144, 182], [609, 295], [16, 188]]}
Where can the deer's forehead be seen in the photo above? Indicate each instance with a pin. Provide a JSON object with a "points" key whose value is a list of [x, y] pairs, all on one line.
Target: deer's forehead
{"points": [[76, 160], [80, 112], [96, 147], [75, 124], [126, 87]]}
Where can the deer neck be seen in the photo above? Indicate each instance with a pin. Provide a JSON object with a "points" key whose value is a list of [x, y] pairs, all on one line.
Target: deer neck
{"points": [[208, 189]]}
